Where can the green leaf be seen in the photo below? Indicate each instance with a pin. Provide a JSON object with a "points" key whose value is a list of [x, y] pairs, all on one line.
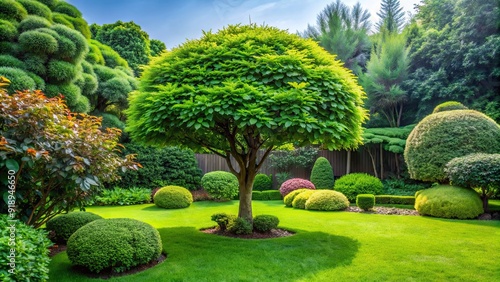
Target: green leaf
{"points": [[12, 164], [253, 121]]}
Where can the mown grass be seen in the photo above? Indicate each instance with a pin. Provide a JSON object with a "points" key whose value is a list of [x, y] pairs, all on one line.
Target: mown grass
{"points": [[328, 246]]}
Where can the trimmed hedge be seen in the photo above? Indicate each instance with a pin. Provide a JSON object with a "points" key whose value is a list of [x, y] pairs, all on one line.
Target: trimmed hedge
{"points": [[271, 195], [288, 199], [449, 202], [256, 195], [299, 202], [322, 174], [397, 200], [123, 197], [265, 223], [262, 182], [65, 225], [173, 197], [117, 244], [294, 184], [365, 201], [326, 200], [220, 185], [358, 183], [32, 252]]}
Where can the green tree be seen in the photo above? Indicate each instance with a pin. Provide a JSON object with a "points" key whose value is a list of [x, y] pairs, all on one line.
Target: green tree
{"points": [[344, 32], [385, 73], [392, 17], [157, 47], [243, 89]]}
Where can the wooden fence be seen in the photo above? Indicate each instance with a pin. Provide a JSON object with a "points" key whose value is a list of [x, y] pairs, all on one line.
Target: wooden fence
{"points": [[360, 162]]}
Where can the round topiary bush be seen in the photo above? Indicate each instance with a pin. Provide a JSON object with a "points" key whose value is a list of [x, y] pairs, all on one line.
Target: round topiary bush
{"points": [[33, 22], [299, 202], [327, 200], [288, 199], [34, 7], [173, 197], [448, 202], [265, 223], [38, 42], [443, 136], [449, 106], [65, 225], [31, 259], [19, 79], [294, 184], [262, 182], [322, 174], [220, 185], [117, 244], [358, 183], [365, 201]]}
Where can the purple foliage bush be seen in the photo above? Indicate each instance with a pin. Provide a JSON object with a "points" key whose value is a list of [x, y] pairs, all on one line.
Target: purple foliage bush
{"points": [[294, 184]]}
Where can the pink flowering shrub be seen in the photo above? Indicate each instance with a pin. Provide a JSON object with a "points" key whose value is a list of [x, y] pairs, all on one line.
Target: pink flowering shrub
{"points": [[294, 184]]}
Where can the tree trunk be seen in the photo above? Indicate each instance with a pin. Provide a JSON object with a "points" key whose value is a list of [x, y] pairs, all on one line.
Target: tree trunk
{"points": [[373, 162], [381, 161], [246, 184], [484, 197], [348, 167]]}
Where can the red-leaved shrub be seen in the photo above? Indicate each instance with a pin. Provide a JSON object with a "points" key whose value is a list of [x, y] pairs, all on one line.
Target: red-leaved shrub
{"points": [[294, 184]]}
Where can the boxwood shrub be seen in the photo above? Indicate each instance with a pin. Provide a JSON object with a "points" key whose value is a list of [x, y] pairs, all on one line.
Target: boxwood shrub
{"points": [[223, 220], [294, 184], [240, 226], [65, 225], [32, 252], [271, 195], [265, 223], [449, 202], [326, 200], [262, 182], [117, 244], [365, 201], [322, 174], [257, 195], [299, 202], [221, 185], [358, 183], [397, 200], [288, 199], [173, 197]]}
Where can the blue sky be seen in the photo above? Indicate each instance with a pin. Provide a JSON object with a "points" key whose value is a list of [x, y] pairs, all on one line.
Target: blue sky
{"points": [[174, 21]]}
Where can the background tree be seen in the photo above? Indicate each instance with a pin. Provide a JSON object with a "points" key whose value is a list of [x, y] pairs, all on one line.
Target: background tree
{"points": [[344, 32], [66, 162], [392, 17], [243, 89], [156, 47]]}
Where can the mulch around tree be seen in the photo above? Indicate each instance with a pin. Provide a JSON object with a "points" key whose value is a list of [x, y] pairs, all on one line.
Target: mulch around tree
{"points": [[274, 233]]}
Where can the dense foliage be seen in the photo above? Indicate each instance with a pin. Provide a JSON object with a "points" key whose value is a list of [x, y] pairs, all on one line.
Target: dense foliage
{"points": [[31, 256], [327, 200], [288, 199], [294, 184], [265, 222], [123, 197], [449, 202], [63, 226], [220, 185], [299, 202], [449, 106], [116, 244], [262, 182], [162, 166], [286, 160], [59, 158], [358, 183], [476, 171], [440, 137], [365, 201], [396, 200], [322, 174], [240, 226], [244, 88], [173, 197], [222, 220]]}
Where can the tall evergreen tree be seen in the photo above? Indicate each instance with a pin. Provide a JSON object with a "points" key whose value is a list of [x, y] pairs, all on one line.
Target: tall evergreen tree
{"points": [[392, 17]]}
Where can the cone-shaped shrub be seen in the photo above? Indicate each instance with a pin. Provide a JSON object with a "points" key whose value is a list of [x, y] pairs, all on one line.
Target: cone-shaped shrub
{"points": [[322, 174]]}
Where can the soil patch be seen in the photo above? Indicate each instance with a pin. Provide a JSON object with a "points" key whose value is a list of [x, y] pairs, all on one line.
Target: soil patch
{"points": [[274, 233], [384, 210]]}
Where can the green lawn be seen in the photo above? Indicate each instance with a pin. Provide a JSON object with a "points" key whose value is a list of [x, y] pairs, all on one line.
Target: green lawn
{"points": [[328, 246]]}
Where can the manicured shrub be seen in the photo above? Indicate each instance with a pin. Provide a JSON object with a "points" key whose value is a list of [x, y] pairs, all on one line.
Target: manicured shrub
{"points": [[294, 184], [65, 225], [299, 202], [11, 61], [39, 82], [271, 195], [365, 201], [36, 64], [67, 9], [117, 244], [448, 202], [20, 80], [8, 31], [38, 42], [82, 47], [449, 106], [265, 223], [402, 187], [162, 166], [443, 136], [173, 197], [61, 71], [49, 3], [221, 185], [476, 171], [257, 195], [262, 182], [240, 226], [12, 10], [322, 174], [62, 19], [326, 200], [223, 220], [32, 251], [123, 197], [358, 183], [396, 200], [33, 22], [34, 7], [288, 199]]}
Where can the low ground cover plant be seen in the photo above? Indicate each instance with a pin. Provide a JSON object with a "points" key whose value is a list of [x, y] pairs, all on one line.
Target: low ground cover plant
{"points": [[449, 202], [220, 185], [358, 183], [173, 197], [63, 226], [117, 244], [123, 197], [294, 184], [326, 200]]}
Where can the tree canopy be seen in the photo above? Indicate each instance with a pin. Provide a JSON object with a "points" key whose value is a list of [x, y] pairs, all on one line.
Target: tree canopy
{"points": [[247, 88]]}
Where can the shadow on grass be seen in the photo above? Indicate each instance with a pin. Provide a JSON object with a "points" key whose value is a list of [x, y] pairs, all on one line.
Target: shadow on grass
{"points": [[194, 256]]}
